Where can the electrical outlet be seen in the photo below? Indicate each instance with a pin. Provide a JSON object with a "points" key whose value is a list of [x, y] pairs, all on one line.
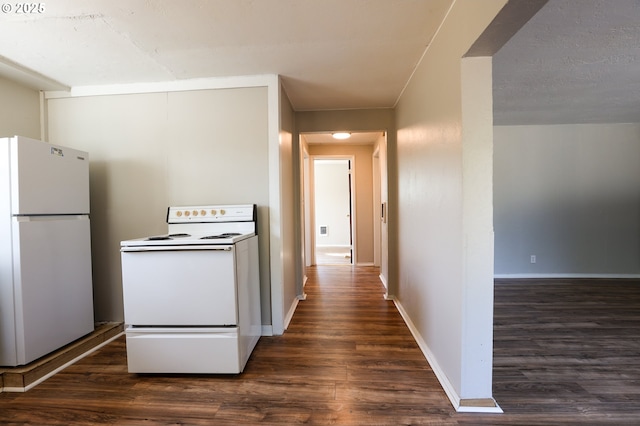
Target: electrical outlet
{"points": [[533, 258]]}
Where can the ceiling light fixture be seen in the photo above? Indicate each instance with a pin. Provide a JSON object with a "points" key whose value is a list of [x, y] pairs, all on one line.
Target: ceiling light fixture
{"points": [[341, 135]]}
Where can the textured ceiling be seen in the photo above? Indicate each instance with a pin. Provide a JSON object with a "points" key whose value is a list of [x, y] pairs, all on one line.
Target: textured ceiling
{"points": [[573, 62], [332, 54]]}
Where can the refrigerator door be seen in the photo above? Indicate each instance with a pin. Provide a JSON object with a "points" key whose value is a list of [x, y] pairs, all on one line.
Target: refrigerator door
{"points": [[52, 283], [48, 179]]}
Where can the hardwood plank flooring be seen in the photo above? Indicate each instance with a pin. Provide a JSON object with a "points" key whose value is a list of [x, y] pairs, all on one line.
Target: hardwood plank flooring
{"points": [[568, 351], [564, 354]]}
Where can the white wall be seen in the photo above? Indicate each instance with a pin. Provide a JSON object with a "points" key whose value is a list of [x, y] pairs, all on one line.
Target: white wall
{"points": [[477, 225], [567, 194], [149, 151], [434, 289], [19, 110], [332, 202]]}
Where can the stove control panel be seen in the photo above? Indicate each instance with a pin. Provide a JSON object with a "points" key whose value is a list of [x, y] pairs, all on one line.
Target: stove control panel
{"points": [[217, 213]]}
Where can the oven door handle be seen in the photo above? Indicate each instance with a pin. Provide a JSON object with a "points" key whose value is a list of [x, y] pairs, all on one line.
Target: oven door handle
{"points": [[175, 248]]}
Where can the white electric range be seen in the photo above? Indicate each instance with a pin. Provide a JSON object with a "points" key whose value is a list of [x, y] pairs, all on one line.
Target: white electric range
{"points": [[192, 296]]}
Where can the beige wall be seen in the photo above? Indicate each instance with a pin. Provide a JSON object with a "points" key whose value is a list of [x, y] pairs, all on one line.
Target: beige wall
{"points": [[149, 151], [363, 171], [436, 152], [289, 222], [19, 110]]}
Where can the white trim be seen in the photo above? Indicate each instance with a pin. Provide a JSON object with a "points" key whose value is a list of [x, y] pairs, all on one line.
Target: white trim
{"points": [[376, 207], [43, 117], [276, 255], [166, 86], [62, 367], [440, 375], [292, 310], [365, 264], [587, 276], [28, 77], [353, 192], [447, 386], [474, 409], [352, 172], [384, 281], [267, 330]]}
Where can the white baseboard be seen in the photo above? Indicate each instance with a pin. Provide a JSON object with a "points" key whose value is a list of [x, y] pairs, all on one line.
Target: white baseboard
{"points": [[267, 330], [365, 264], [447, 386], [567, 276], [384, 281], [292, 310]]}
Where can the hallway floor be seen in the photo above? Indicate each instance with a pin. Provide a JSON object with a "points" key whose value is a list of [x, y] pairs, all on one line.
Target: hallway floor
{"points": [[333, 255]]}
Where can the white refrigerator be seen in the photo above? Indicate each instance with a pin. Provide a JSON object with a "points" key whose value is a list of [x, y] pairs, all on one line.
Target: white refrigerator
{"points": [[46, 292]]}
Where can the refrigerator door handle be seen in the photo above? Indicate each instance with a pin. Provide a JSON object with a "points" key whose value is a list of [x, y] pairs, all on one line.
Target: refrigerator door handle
{"points": [[42, 218]]}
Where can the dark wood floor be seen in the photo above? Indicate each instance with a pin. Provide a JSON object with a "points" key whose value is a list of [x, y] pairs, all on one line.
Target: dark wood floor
{"points": [[563, 355], [568, 351]]}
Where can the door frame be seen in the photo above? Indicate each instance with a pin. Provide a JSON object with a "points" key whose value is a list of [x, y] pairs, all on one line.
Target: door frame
{"points": [[310, 216]]}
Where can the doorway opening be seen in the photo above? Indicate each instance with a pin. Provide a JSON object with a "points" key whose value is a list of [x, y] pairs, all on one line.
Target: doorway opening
{"points": [[365, 245], [333, 211]]}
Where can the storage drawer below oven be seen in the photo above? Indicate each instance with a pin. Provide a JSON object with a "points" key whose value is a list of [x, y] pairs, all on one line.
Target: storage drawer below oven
{"points": [[193, 351]]}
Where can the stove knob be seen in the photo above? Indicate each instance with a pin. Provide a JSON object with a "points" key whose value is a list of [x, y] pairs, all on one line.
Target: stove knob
{"points": [[195, 212], [203, 212], [213, 212], [222, 212], [178, 213], [187, 213]]}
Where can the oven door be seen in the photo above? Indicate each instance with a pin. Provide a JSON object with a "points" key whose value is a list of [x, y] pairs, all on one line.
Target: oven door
{"points": [[179, 285]]}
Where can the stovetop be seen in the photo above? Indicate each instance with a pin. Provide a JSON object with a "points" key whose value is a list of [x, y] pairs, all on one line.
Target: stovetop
{"points": [[181, 235], [182, 239], [203, 225]]}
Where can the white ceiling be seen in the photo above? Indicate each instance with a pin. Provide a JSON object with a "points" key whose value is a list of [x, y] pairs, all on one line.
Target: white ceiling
{"points": [[357, 138], [575, 61], [332, 54]]}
